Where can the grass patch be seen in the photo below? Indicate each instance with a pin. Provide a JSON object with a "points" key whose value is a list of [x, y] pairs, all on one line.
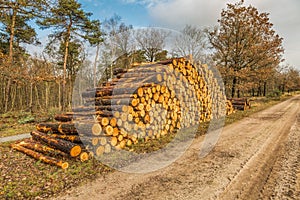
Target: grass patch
{"points": [[15, 123], [25, 178], [15, 129]]}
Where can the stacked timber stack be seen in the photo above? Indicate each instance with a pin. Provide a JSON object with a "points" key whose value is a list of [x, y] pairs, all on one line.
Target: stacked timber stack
{"points": [[215, 93], [140, 104], [229, 108], [240, 103], [52, 143]]}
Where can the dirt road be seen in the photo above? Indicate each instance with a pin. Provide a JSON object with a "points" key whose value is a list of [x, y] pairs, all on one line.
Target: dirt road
{"points": [[256, 158]]}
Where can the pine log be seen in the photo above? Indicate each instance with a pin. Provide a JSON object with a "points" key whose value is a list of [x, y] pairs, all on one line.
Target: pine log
{"points": [[68, 147], [240, 107], [111, 108], [63, 118], [91, 108], [71, 138], [119, 71], [66, 128], [112, 97], [88, 128], [96, 129], [124, 89], [43, 158], [36, 146], [84, 156], [100, 150]]}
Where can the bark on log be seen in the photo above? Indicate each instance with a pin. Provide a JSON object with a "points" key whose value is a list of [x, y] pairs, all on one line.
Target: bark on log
{"points": [[63, 118], [36, 146], [66, 128], [68, 147], [70, 138], [39, 156]]}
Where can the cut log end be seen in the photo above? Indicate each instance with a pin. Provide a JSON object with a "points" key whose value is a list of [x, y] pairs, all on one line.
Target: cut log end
{"points": [[96, 129], [100, 150], [64, 165], [109, 130], [75, 151], [84, 156]]}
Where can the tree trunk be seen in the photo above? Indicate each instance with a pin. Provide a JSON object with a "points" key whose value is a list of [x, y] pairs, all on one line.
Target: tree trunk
{"points": [[65, 65], [70, 91], [259, 91], [95, 64], [31, 97], [265, 88], [46, 95], [38, 105], [234, 82], [7, 92], [13, 97], [12, 35], [59, 96], [10, 57]]}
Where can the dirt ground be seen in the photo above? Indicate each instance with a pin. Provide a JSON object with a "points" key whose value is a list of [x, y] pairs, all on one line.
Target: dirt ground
{"points": [[255, 158]]}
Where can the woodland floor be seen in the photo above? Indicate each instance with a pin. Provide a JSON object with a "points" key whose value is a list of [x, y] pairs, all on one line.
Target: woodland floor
{"points": [[254, 158]]}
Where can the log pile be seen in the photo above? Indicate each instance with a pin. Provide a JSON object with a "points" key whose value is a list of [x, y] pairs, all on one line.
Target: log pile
{"points": [[229, 108], [240, 103], [140, 104]]}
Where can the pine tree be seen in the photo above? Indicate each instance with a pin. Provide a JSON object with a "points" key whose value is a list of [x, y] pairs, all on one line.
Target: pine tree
{"points": [[69, 21], [15, 29]]}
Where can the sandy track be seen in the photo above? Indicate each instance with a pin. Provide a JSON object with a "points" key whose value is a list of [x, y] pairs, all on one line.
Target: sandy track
{"points": [[255, 158]]}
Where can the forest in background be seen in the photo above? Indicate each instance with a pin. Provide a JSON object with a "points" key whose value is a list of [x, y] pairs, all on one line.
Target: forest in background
{"points": [[244, 48]]}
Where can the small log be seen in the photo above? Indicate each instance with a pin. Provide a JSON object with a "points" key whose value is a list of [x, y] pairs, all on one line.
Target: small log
{"points": [[39, 156], [119, 71], [100, 150], [63, 118], [112, 97], [91, 109], [84, 156], [71, 138], [88, 128], [36, 146], [110, 108], [96, 129], [68, 147], [109, 130], [66, 128]]}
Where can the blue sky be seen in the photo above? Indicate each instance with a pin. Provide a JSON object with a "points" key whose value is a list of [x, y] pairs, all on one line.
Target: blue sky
{"points": [[134, 13], [174, 14]]}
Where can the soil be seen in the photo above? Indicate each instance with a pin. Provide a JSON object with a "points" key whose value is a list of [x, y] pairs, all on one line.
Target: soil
{"points": [[255, 158]]}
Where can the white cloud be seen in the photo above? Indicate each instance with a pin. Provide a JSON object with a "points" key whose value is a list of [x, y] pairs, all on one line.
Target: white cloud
{"points": [[176, 13], [180, 12], [147, 3]]}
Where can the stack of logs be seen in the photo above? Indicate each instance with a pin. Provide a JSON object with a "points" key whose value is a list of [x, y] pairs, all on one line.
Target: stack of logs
{"points": [[229, 107], [240, 103], [140, 104]]}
